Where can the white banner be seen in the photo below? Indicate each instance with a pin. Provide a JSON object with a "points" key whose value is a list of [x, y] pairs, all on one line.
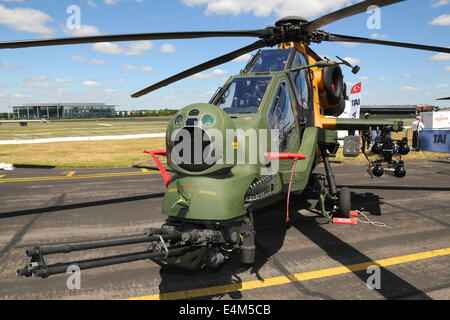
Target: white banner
{"points": [[355, 100]]}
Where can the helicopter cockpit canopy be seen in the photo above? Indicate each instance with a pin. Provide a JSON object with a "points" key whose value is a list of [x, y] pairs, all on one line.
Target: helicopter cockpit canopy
{"points": [[243, 95], [269, 61]]}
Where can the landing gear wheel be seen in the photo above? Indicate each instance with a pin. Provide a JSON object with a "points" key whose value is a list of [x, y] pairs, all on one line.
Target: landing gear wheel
{"points": [[345, 202]]}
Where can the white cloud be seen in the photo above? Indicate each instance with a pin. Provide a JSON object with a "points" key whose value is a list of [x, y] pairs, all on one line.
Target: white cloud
{"points": [[147, 69], [134, 48], [440, 57], [108, 48], [91, 3], [408, 89], [209, 75], [440, 86], [440, 3], [92, 84], [58, 80], [26, 20], [5, 65], [365, 78], [129, 67], [113, 2], [385, 78], [447, 69], [443, 20], [43, 82], [352, 60], [202, 76], [243, 58], [83, 59], [408, 75], [138, 48], [219, 72], [379, 36], [264, 8], [82, 31], [168, 48], [348, 44]]}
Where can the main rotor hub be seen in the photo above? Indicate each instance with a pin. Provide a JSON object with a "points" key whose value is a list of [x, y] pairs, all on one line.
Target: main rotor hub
{"points": [[292, 20]]}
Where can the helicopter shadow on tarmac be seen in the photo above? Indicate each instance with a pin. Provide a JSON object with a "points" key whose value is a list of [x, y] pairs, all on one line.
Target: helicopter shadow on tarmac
{"points": [[270, 235]]}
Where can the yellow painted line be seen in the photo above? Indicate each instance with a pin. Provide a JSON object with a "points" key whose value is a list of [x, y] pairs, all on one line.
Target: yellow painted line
{"points": [[2, 176], [280, 280], [71, 173], [86, 176], [144, 170], [211, 193]]}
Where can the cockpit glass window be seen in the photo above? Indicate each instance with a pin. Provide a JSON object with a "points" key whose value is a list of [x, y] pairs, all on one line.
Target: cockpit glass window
{"points": [[243, 95], [300, 79], [271, 60], [281, 115]]}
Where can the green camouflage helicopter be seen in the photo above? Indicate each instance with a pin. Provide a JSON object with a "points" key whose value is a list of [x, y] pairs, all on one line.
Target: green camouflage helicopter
{"points": [[239, 152]]}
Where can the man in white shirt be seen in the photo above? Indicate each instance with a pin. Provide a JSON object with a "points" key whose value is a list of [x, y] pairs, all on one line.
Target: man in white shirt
{"points": [[417, 126]]}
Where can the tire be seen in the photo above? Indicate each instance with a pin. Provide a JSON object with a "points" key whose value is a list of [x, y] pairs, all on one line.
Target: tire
{"points": [[400, 172], [345, 202], [333, 82]]}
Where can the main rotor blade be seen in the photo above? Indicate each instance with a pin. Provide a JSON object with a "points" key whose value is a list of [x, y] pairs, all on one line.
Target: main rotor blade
{"points": [[342, 38], [131, 37], [347, 12], [202, 67], [448, 98]]}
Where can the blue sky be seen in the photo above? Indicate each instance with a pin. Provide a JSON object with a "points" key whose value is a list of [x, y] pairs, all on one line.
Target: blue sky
{"points": [[111, 72]]}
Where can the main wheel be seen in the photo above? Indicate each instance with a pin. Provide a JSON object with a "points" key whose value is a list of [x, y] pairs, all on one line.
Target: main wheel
{"points": [[345, 202]]}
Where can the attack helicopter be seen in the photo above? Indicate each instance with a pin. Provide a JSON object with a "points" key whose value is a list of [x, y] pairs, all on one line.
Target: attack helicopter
{"points": [[289, 92]]}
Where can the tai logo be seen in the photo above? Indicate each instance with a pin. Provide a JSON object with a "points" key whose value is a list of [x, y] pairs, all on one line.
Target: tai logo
{"points": [[440, 138]]}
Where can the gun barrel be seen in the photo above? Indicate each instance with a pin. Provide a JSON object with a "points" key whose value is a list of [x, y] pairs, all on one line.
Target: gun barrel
{"points": [[95, 245], [45, 271]]}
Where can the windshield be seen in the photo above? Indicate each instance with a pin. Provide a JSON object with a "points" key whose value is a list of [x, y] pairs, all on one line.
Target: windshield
{"points": [[271, 60], [243, 95]]}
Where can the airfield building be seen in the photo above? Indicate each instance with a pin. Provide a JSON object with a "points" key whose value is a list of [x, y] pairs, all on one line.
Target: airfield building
{"points": [[63, 110]]}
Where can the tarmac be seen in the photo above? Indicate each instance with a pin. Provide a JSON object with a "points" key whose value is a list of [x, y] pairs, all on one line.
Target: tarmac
{"points": [[404, 255]]}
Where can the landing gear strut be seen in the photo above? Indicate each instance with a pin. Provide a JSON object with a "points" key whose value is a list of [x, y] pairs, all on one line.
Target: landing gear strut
{"points": [[342, 203]]}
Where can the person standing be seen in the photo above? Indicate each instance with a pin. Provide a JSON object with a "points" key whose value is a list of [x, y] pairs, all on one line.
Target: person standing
{"points": [[417, 126]]}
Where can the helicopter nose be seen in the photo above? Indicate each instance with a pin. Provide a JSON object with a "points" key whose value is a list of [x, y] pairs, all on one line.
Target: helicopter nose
{"points": [[190, 139]]}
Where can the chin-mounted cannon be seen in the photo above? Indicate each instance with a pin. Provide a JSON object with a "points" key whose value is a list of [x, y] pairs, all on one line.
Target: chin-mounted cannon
{"points": [[159, 246], [179, 244]]}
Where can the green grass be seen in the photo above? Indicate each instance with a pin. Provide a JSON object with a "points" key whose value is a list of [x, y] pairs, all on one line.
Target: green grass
{"points": [[119, 153], [80, 129], [84, 154]]}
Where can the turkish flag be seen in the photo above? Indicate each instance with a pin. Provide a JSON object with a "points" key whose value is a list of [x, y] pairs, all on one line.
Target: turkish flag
{"points": [[356, 88]]}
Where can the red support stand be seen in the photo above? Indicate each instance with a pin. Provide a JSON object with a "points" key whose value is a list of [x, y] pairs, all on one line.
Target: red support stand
{"points": [[284, 156], [160, 152], [354, 213], [345, 221]]}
